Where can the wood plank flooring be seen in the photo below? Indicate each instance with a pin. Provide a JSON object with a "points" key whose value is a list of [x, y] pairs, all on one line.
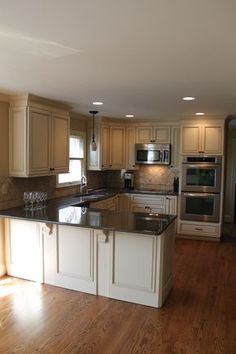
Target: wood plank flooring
{"points": [[199, 316]]}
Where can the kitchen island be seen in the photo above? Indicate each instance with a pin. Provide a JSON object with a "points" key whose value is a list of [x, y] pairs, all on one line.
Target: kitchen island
{"points": [[124, 256]]}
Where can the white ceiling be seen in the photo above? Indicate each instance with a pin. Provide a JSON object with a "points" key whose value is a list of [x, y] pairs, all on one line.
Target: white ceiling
{"points": [[136, 56]]}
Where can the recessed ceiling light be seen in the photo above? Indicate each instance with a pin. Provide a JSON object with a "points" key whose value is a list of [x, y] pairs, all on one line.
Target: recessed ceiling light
{"points": [[129, 116], [188, 98], [97, 103], [199, 114]]}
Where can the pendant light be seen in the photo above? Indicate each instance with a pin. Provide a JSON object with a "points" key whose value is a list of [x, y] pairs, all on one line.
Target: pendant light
{"points": [[93, 143]]}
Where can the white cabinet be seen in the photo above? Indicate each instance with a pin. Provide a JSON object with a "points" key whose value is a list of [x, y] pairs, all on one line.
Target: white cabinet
{"points": [[175, 147], [171, 205], [207, 138], [38, 140], [199, 230], [147, 203], [130, 148], [110, 153], [141, 267], [24, 249], [147, 134], [70, 258], [112, 203]]}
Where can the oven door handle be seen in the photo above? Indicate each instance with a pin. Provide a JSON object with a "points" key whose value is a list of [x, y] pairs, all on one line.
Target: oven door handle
{"points": [[202, 165], [193, 194]]}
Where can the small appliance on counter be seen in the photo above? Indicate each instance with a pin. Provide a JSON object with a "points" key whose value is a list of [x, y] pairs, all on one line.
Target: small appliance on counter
{"points": [[129, 180]]}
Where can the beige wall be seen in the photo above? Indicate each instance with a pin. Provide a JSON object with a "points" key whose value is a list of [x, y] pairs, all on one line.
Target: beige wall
{"points": [[230, 176]]}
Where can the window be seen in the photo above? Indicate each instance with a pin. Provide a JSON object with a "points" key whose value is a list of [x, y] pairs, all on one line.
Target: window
{"points": [[77, 161]]}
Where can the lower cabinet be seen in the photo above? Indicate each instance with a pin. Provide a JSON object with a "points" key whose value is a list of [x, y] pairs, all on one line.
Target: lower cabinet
{"points": [[199, 230], [147, 203], [126, 266], [24, 249], [70, 258]]}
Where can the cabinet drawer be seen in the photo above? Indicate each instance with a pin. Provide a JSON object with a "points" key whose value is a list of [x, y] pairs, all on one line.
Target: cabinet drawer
{"points": [[147, 200], [199, 229]]}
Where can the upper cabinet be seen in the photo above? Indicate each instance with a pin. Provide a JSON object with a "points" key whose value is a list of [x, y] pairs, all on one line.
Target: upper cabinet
{"points": [[38, 138], [110, 153], [152, 134], [130, 147], [204, 137]]}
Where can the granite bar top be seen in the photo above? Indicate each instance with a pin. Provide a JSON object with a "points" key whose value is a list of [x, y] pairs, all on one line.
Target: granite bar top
{"points": [[151, 224], [74, 211]]}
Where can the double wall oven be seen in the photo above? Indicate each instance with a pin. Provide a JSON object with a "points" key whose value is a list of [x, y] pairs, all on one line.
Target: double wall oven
{"points": [[200, 192]]}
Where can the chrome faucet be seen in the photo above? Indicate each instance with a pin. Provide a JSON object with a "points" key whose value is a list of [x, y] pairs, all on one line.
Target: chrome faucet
{"points": [[83, 185]]}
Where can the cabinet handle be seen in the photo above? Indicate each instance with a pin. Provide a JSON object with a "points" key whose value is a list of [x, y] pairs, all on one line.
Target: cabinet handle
{"points": [[110, 165], [198, 228], [52, 169]]}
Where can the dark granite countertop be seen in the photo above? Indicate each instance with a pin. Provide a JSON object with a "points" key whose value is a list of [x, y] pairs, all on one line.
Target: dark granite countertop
{"points": [[61, 212]]}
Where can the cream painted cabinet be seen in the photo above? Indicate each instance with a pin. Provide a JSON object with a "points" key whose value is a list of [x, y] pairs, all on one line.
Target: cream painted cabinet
{"points": [[117, 147], [110, 153], [207, 138], [175, 147], [171, 205], [24, 249], [149, 134], [112, 203], [130, 148], [38, 141], [147, 203], [70, 258]]}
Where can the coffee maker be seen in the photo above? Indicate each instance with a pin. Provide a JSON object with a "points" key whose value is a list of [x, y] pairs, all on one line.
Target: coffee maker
{"points": [[129, 180]]}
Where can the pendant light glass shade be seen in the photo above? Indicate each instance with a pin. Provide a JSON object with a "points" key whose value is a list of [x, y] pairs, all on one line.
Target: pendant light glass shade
{"points": [[93, 142]]}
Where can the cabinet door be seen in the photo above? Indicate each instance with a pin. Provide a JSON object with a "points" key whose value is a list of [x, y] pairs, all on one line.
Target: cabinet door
{"points": [[105, 148], [212, 138], [60, 143], [162, 135], [190, 139], [130, 148], [175, 147], [70, 258], [171, 205], [18, 142], [39, 142], [147, 203], [24, 251], [133, 268], [144, 134], [117, 148]]}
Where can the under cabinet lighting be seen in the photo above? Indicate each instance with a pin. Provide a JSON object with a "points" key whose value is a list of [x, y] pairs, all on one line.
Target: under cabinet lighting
{"points": [[199, 114], [129, 116], [188, 98], [97, 103]]}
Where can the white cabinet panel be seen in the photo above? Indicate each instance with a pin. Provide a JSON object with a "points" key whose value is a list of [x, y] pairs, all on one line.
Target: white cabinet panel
{"points": [[129, 270], [24, 251], [202, 137], [38, 139], [70, 258]]}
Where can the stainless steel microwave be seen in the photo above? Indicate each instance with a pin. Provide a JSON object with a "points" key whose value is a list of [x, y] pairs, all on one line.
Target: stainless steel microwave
{"points": [[152, 154]]}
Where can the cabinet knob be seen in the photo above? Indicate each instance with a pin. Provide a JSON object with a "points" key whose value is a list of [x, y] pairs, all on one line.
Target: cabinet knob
{"points": [[110, 165]]}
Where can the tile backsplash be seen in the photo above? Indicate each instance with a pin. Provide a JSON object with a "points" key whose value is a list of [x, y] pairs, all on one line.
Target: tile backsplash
{"points": [[12, 189], [145, 177]]}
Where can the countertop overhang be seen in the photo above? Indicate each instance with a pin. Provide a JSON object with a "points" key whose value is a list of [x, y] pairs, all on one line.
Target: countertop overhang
{"points": [[63, 211]]}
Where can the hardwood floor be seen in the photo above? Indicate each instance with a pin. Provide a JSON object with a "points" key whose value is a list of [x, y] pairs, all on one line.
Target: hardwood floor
{"points": [[199, 316]]}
